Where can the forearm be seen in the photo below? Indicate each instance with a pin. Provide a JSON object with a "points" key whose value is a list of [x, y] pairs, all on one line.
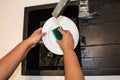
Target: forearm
{"points": [[10, 62], [73, 70]]}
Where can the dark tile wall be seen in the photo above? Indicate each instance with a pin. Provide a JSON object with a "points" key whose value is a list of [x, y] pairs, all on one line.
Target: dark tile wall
{"points": [[100, 43]]}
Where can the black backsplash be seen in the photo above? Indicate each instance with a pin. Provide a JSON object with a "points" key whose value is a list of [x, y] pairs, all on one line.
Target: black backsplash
{"points": [[100, 39]]}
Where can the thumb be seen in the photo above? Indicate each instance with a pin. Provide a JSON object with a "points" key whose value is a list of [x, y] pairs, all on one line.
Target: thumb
{"points": [[43, 34], [58, 41]]}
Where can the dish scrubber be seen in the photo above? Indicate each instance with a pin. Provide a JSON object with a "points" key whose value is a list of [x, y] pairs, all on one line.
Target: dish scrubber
{"points": [[56, 33]]}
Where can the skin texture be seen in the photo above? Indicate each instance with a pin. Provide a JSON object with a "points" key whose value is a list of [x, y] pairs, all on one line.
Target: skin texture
{"points": [[9, 63], [73, 70]]}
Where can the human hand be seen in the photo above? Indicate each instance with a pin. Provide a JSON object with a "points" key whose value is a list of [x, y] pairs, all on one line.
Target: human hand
{"points": [[36, 37], [67, 40]]}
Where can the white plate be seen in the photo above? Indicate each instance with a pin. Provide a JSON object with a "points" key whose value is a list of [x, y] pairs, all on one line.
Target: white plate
{"points": [[50, 24]]}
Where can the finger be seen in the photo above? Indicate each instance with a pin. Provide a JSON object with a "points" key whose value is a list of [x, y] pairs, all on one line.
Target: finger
{"points": [[58, 41], [43, 34], [39, 29], [61, 31], [67, 31], [41, 42]]}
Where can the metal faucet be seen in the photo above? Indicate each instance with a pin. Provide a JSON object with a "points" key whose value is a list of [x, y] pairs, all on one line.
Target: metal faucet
{"points": [[60, 8], [83, 9]]}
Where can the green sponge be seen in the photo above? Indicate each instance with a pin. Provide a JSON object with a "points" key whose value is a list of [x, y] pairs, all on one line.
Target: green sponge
{"points": [[56, 33]]}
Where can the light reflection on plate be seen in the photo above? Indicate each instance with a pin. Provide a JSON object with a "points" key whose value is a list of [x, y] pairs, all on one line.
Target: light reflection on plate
{"points": [[50, 24]]}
